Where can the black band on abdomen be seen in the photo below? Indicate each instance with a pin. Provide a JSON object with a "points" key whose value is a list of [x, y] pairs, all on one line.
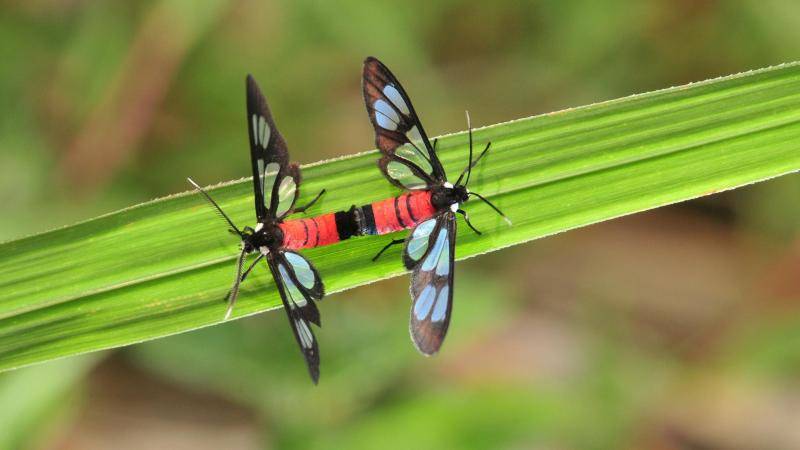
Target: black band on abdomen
{"points": [[346, 226], [367, 221], [357, 221]]}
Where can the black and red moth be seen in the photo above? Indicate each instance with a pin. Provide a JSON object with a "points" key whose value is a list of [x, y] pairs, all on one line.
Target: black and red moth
{"points": [[276, 185], [409, 161]]}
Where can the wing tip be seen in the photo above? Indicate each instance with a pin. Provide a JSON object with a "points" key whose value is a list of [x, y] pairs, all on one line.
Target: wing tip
{"points": [[253, 90], [250, 82], [426, 343], [372, 64], [314, 373], [427, 349], [312, 361]]}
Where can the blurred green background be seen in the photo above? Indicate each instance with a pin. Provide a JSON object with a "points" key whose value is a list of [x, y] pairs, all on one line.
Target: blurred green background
{"points": [[674, 329]]}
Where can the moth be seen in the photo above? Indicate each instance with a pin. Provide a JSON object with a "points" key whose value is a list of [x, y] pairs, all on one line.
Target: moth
{"points": [[276, 186], [409, 161]]}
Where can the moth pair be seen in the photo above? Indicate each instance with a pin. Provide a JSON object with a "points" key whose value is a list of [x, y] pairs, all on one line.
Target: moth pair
{"points": [[429, 206]]}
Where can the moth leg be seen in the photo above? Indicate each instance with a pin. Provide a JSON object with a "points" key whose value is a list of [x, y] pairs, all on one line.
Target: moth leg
{"points": [[466, 219], [233, 294], [309, 204], [249, 269], [391, 243]]}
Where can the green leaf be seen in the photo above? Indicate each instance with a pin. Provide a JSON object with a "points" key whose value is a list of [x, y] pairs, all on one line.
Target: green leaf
{"points": [[165, 266]]}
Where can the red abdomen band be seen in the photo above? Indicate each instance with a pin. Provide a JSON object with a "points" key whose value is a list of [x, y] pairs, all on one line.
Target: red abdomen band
{"points": [[309, 233], [405, 211]]}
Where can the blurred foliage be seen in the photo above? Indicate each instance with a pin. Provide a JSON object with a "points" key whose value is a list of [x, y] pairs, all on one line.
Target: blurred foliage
{"points": [[675, 329]]}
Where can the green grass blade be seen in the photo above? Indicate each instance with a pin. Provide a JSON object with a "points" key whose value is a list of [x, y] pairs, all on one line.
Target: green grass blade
{"points": [[164, 267]]}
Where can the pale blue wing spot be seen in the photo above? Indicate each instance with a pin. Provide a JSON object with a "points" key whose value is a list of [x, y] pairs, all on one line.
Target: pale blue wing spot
{"points": [[261, 131], [302, 269], [440, 309], [306, 338], [286, 192], [443, 266], [265, 132], [260, 164], [433, 257], [394, 96], [424, 229], [295, 296], [424, 302], [403, 174], [385, 115], [419, 239], [270, 174], [255, 128]]}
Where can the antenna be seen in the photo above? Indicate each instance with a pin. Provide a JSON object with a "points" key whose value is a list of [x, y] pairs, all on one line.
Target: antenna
{"points": [[216, 206], [508, 221], [475, 163], [468, 169]]}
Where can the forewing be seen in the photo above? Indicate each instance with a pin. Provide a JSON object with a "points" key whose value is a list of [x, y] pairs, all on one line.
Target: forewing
{"points": [[430, 253], [275, 181], [398, 131], [293, 276]]}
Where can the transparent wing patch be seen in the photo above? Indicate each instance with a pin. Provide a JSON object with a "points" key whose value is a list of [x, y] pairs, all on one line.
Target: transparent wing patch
{"points": [[403, 174], [417, 243], [283, 190], [304, 275], [269, 174]]}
